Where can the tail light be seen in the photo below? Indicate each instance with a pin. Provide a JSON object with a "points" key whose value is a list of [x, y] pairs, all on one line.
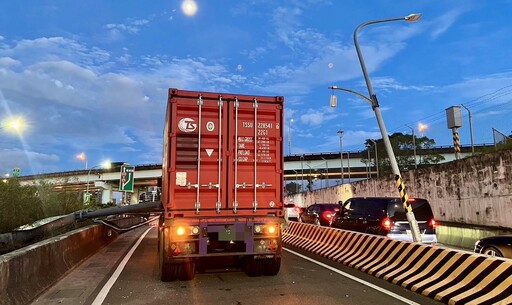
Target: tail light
{"points": [[327, 215], [387, 224], [432, 223], [297, 209]]}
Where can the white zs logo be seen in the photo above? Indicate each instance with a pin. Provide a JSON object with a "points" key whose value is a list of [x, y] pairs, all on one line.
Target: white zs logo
{"points": [[187, 125]]}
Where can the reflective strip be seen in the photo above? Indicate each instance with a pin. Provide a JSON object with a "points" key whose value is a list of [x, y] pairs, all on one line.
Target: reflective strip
{"points": [[403, 193]]}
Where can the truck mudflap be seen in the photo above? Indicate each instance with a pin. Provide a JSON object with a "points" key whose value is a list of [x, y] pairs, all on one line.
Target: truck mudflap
{"points": [[254, 242]]}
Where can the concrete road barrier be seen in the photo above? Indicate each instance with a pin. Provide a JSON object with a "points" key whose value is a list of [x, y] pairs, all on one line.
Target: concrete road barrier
{"points": [[27, 272], [446, 275]]}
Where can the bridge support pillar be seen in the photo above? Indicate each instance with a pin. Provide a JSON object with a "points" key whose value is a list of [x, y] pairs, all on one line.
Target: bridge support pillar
{"points": [[106, 193]]}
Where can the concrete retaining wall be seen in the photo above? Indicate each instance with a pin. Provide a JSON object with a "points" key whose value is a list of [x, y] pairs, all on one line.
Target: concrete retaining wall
{"points": [[446, 275], [27, 272], [475, 192]]}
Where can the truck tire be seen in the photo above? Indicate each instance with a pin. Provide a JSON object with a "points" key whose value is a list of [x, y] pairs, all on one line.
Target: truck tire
{"points": [[187, 271], [166, 272], [272, 266], [255, 267]]}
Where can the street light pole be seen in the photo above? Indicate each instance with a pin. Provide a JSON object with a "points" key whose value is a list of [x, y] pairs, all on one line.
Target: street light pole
{"points": [[372, 100], [375, 105], [414, 146], [296, 182], [368, 170], [290, 138], [302, 171], [470, 129], [327, 172], [340, 132], [376, 157]]}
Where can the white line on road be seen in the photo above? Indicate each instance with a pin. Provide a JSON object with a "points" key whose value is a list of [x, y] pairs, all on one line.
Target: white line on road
{"points": [[391, 294], [104, 291]]}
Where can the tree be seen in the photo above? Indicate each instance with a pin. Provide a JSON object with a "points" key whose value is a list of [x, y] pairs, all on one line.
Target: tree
{"points": [[403, 148], [292, 188]]}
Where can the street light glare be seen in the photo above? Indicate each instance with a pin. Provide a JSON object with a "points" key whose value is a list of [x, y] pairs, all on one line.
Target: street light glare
{"points": [[107, 164], [81, 156], [422, 127], [412, 17]]}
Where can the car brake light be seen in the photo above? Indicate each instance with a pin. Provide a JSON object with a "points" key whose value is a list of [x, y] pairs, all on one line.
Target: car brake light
{"points": [[432, 223], [327, 215], [387, 223]]}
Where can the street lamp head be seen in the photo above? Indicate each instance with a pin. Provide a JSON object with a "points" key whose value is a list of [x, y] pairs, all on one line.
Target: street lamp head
{"points": [[412, 17], [333, 101], [340, 132]]}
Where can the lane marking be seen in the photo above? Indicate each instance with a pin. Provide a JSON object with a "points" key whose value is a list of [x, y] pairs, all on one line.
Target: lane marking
{"points": [[389, 293], [105, 290]]}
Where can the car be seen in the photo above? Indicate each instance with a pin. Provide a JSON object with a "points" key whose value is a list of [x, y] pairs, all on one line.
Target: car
{"points": [[291, 212], [386, 216], [319, 214], [500, 246]]}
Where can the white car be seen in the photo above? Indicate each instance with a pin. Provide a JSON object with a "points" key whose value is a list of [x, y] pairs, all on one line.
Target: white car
{"points": [[291, 212]]}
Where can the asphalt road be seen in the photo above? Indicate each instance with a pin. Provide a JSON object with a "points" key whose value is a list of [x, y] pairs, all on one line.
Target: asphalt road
{"points": [[126, 272]]}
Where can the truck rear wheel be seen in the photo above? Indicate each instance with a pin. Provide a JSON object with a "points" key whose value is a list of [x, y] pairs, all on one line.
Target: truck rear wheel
{"points": [[187, 271], [168, 272], [254, 267], [272, 266]]}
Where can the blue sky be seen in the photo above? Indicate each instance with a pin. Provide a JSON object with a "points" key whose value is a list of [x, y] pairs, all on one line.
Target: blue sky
{"points": [[92, 76]]}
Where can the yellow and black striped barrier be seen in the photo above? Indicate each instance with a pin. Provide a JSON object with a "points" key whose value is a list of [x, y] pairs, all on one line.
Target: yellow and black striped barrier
{"points": [[446, 275]]}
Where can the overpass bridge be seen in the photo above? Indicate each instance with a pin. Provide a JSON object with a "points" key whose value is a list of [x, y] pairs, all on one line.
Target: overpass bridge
{"points": [[323, 169]]}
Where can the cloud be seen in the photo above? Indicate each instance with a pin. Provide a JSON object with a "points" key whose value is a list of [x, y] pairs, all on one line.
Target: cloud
{"points": [[132, 27], [7, 61], [315, 117], [441, 24], [60, 88], [389, 83]]}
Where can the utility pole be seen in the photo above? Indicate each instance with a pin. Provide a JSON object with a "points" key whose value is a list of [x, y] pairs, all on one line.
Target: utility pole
{"points": [[470, 129]]}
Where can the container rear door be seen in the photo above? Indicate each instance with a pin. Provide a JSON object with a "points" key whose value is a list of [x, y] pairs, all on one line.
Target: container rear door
{"points": [[225, 155], [196, 167], [256, 146]]}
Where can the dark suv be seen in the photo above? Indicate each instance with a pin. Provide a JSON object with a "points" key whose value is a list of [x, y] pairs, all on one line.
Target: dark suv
{"points": [[386, 216], [320, 214]]}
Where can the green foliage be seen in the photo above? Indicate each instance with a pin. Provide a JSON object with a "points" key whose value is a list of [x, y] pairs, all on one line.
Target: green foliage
{"points": [[403, 148], [292, 188], [24, 204]]}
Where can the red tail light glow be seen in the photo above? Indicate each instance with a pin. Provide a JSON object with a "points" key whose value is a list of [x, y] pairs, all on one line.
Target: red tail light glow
{"points": [[387, 223], [432, 223], [327, 215]]}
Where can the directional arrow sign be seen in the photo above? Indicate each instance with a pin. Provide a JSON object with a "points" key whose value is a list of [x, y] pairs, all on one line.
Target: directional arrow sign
{"points": [[127, 178]]}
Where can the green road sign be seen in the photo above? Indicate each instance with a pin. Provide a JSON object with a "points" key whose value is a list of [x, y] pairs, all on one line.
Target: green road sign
{"points": [[16, 172], [87, 198], [127, 178]]}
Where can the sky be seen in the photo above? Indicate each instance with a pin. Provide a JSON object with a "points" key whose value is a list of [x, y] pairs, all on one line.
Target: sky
{"points": [[92, 76]]}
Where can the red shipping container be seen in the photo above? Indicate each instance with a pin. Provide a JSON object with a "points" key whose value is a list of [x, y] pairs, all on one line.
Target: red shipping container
{"points": [[223, 155]]}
